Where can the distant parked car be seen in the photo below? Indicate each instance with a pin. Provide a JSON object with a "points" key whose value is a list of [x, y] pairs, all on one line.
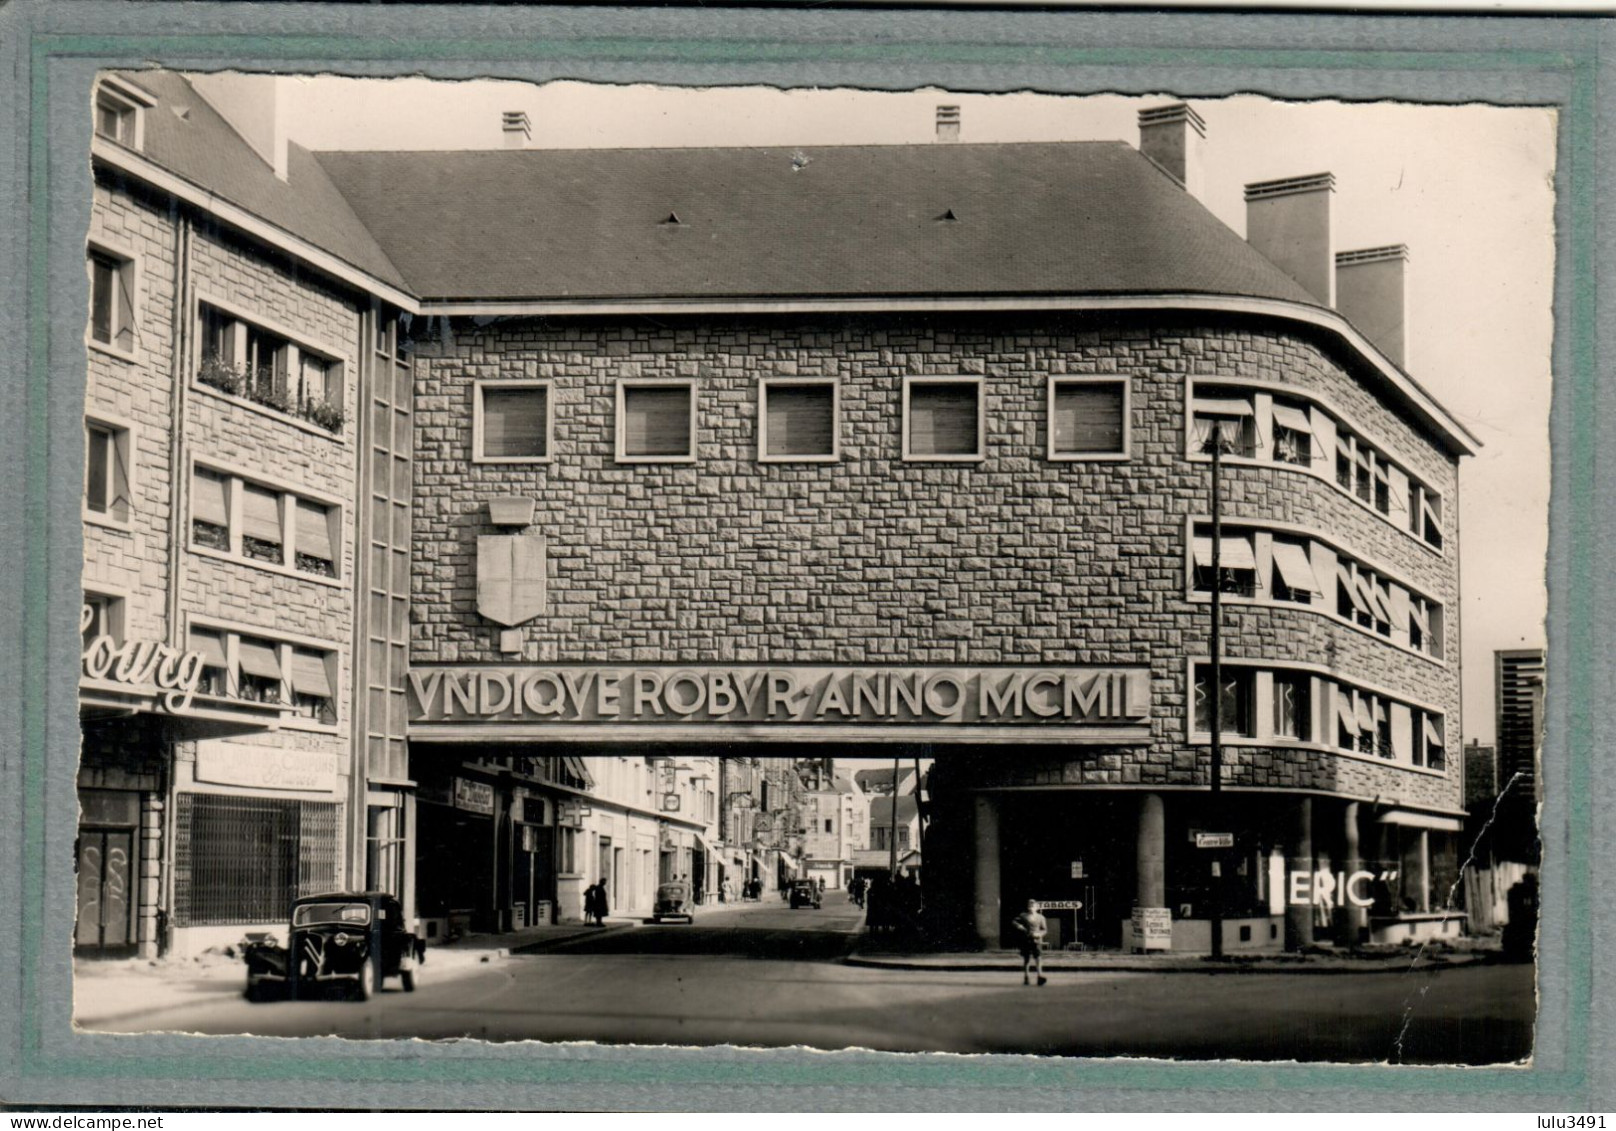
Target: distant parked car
{"points": [[358, 938], [804, 893], [673, 901]]}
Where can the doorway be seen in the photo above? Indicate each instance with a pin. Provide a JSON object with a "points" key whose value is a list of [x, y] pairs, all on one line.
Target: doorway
{"points": [[106, 860]]}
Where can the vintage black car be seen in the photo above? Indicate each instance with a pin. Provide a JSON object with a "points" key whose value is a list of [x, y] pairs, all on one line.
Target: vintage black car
{"points": [[356, 938], [804, 893], [673, 901]]}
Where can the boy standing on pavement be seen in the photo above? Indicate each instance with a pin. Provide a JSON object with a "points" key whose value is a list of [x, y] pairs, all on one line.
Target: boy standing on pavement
{"points": [[1032, 927]]}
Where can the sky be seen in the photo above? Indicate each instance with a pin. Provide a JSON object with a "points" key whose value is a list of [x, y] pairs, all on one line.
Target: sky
{"points": [[1468, 188]]}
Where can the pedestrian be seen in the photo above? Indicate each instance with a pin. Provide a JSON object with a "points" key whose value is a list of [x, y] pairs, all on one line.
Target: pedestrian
{"points": [[595, 903], [1032, 927]]}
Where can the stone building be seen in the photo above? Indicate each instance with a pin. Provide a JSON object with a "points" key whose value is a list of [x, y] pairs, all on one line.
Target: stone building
{"points": [[858, 451], [240, 330]]}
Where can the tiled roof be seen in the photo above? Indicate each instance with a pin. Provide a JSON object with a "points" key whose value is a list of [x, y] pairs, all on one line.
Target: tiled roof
{"points": [[881, 810], [932, 219], [186, 136]]}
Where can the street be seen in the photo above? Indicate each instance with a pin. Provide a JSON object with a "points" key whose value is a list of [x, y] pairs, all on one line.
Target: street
{"points": [[763, 975]]}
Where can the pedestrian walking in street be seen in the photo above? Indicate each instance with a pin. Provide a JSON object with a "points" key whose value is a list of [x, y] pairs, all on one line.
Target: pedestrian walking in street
{"points": [[1033, 928], [596, 903]]}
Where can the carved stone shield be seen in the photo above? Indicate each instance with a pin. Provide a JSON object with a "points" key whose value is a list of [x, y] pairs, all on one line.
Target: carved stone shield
{"points": [[510, 577]]}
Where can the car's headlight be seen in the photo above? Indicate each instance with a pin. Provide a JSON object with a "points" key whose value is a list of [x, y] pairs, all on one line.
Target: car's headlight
{"points": [[340, 939]]}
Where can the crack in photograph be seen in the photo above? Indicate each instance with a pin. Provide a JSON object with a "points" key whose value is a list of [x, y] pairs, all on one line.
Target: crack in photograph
{"points": [[473, 648]]}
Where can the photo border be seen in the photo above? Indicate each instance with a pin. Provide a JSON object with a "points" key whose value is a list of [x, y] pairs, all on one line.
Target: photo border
{"points": [[53, 51]]}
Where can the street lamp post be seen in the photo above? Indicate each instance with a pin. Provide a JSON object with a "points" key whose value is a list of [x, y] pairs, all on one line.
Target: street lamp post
{"points": [[1215, 690]]}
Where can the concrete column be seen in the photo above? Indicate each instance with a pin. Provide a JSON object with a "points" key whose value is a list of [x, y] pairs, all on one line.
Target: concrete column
{"points": [[987, 870], [1349, 919], [1151, 853], [1423, 876], [1299, 858]]}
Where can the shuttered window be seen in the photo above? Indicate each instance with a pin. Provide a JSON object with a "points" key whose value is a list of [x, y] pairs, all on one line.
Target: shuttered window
{"points": [[261, 515], [310, 675], [799, 420], [944, 420], [314, 553], [260, 658], [513, 422], [208, 501], [655, 421], [1088, 418]]}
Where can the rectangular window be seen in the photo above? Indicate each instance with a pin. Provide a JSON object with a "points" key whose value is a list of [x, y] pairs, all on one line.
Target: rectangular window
{"points": [[656, 422], [1088, 418], [260, 678], [267, 363], [314, 543], [1235, 702], [942, 418], [115, 118], [1429, 744], [1291, 706], [511, 422], [313, 690], [269, 369], [102, 616], [799, 420], [1294, 579], [1293, 434], [1227, 423], [107, 483], [1237, 565], [216, 672], [112, 300], [1425, 514], [261, 536], [1344, 459]]}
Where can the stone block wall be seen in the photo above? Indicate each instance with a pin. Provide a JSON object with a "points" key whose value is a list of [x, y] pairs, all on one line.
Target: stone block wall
{"points": [[875, 560]]}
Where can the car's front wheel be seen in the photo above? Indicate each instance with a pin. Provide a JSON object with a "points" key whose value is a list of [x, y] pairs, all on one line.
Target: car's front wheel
{"points": [[365, 985]]}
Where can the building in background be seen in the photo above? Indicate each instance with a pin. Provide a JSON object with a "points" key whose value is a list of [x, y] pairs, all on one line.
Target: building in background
{"points": [[1518, 689], [803, 457]]}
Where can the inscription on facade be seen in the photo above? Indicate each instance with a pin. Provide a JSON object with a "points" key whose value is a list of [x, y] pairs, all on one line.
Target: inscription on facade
{"points": [[805, 696]]}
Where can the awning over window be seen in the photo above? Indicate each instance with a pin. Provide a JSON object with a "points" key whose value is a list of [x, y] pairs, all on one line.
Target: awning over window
{"points": [[1350, 585], [309, 674], [1420, 614], [208, 503], [314, 530], [1366, 714], [211, 645], [1235, 553], [580, 771], [1432, 519], [1295, 569], [1410, 819], [1433, 736], [1293, 418], [1222, 406], [1344, 712], [1381, 601], [260, 659], [261, 513]]}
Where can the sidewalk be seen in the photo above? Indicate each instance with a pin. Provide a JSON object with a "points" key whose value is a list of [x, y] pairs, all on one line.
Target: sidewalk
{"points": [[886, 952], [526, 940]]}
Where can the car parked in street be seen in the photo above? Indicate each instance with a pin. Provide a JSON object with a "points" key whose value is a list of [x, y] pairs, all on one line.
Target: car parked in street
{"points": [[354, 938]]}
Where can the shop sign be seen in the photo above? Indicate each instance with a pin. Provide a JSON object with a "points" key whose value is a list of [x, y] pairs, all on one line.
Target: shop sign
{"points": [[1214, 840], [144, 665], [1060, 905], [474, 796], [1077, 869], [1335, 889], [265, 767], [1028, 697], [1153, 928]]}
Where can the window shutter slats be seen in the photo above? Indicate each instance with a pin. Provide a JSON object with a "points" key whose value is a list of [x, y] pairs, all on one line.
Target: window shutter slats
{"points": [[208, 500], [1295, 568], [516, 422], [1222, 406], [656, 421], [1293, 418], [801, 420], [1088, 418], [259, 658], [123, 284], [211, 646], [1344, 711], [261, 513], [314, 530], [309, 674], [943, 420]]}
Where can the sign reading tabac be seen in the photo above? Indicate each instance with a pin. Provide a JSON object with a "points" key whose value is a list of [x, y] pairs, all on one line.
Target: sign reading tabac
{"points": [[798, 696]]}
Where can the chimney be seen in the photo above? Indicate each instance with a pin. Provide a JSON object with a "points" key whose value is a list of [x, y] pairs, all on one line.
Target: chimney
{"points": [[251, 104], [1172, 137], [1369, 291], [518, 132], [948, 123], [1288, 220]]}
